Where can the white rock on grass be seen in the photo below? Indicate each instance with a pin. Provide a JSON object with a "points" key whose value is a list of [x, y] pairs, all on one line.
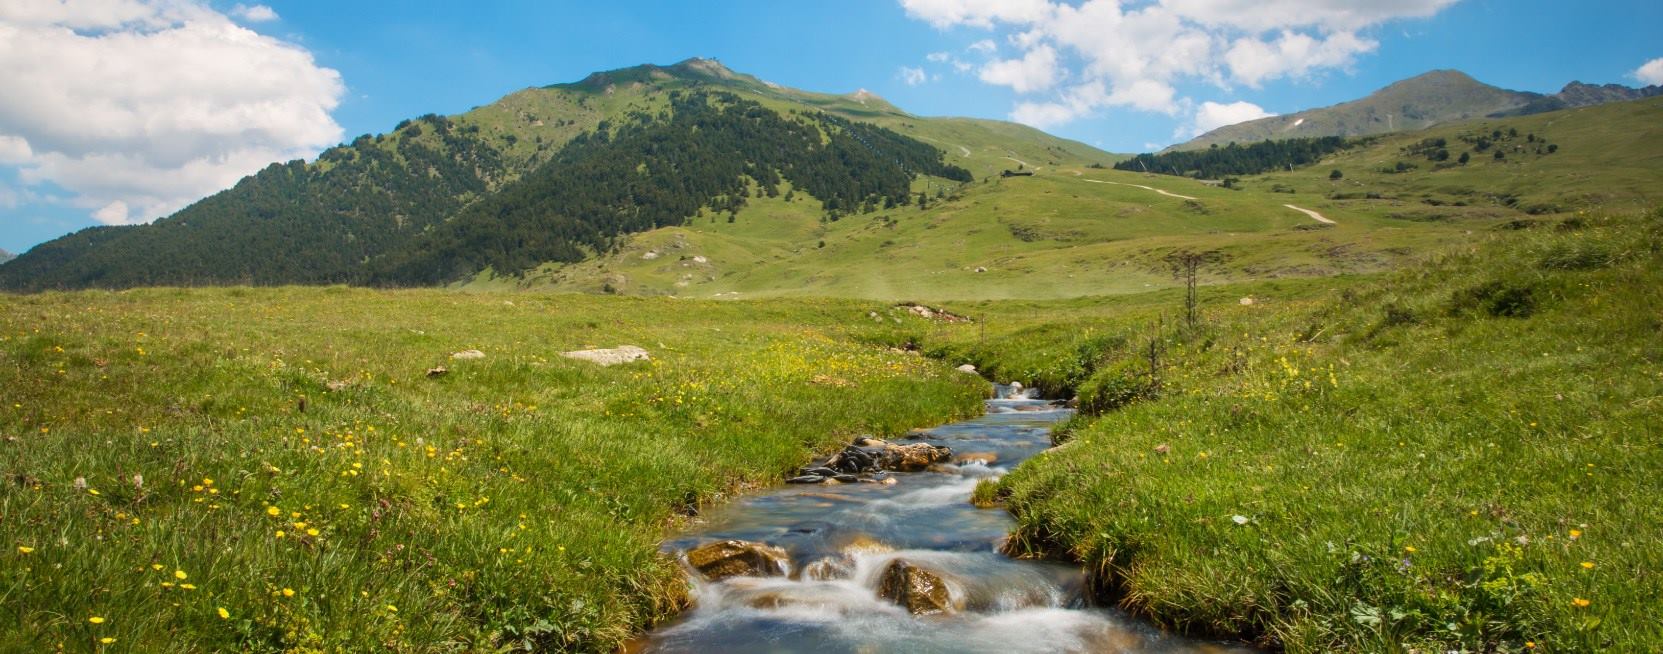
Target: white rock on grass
{"points": [[611, 356], [967, 368], [467, 355]]}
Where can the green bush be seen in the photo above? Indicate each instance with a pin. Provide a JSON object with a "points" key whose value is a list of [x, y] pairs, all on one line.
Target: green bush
{"points": [[1114, 387]]}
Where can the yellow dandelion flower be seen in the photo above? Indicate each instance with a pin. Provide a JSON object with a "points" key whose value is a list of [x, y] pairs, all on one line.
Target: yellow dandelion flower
{"points": [[273, 511], [288, 592], [106, 640], [312, 532], [1576, 533], [188, 586], [1587, 565], [180, 574], [392, 609], [25, 549], [96, 620], [155, 566], [1580, 603], [224, 614], [280, 533], [1409, 548]]}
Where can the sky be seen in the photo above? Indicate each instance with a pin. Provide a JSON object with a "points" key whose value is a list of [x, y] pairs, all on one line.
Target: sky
{"points": [[123, 111]]}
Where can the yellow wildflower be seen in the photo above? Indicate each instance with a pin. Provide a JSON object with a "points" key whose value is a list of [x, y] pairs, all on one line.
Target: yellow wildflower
{"points": [[180, 574], [312, 532], [272, 511], [96, 620], [1587, 565], [106, 640], [25, 549], [1580, 603], [224, 614], [288, 592]]}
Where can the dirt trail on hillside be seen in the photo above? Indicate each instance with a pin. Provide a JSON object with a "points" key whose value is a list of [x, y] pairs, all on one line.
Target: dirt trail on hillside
{"points": [[1146, 188], [1314, 215]]}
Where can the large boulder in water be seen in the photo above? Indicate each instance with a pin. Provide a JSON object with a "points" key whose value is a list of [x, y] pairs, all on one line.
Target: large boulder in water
{"points": [[914, 457], [919, 591], [736, 558]]}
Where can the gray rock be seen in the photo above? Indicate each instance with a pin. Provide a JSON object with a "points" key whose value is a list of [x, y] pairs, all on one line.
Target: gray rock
{"points": [[611, 356]]}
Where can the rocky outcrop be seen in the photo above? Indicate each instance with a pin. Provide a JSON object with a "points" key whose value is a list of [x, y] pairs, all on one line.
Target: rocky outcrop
{"points": [[737, 558], [919, 591]]}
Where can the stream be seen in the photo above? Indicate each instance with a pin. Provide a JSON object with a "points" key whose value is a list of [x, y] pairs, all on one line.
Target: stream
{"points": [[842, 539]]}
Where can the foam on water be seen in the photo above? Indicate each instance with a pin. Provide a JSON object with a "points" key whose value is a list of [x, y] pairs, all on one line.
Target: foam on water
{"points": [[1004, 605]]}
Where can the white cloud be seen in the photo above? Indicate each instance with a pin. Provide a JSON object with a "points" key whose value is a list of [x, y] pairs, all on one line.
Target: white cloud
{"points": [[978, 13], [138, 108], [14, 150], [1650, 73], [1253, 61], [254, 13], [1139, 50], [912, 76], [938, 57], [1035, 71], [1212, 115]]}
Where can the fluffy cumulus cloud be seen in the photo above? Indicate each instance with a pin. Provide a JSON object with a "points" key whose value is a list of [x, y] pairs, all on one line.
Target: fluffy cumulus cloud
{"points": [[1098, 54], [1213, 115], [1650, 73], [1034, 71], [139, 107]]}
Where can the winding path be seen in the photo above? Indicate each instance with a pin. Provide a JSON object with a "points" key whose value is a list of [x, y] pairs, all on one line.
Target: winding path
{"points": [[1146, 188], [1314, 215]]}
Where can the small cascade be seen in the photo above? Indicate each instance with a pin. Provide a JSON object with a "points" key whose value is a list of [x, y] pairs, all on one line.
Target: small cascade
{"points": [[904, 567]]}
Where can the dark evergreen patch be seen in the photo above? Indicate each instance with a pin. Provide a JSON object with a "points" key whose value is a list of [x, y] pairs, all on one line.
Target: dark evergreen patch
{"points": [[1236, 159]]}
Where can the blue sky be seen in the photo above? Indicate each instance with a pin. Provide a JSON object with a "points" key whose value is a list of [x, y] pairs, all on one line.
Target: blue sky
{"points": [[210, 92]]}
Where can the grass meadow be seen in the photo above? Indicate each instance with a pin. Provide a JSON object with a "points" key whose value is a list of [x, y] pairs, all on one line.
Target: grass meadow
{"points": [[1459, 456], [273, 470]]}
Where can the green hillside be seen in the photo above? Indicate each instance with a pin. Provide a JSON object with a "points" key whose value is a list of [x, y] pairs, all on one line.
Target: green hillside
{"points": [[331, 220], [1071, 231]]}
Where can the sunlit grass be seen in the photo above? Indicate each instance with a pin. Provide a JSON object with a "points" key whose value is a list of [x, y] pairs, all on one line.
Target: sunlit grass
{"points": [[1418, 461], [273, 469]]}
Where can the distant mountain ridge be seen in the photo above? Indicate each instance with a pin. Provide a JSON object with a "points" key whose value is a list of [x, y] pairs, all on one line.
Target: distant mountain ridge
{"points": [[6, 256], [1436, 97], [363, 208]]}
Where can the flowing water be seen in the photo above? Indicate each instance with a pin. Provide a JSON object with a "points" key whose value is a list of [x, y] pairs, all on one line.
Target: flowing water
{"points": [[926, 519]]}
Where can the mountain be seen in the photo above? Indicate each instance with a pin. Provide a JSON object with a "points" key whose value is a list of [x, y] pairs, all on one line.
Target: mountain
{"points": [[1577, 94], [1415, 103], [398, 207], [1419, 102], [6, 256]]}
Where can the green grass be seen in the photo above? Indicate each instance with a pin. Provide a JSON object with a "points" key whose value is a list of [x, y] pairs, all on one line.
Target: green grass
{"points": [[516, 501], [1444, 458]]}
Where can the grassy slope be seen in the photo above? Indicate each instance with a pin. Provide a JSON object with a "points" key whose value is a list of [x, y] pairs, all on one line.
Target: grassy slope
{"points": [[521, 496], [1056, 235], [1412, 471], [1608, 158], [1048, 236]]}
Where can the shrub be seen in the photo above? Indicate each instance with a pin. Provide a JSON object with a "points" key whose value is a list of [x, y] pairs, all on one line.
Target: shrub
{"points": [[1114, 387]]}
